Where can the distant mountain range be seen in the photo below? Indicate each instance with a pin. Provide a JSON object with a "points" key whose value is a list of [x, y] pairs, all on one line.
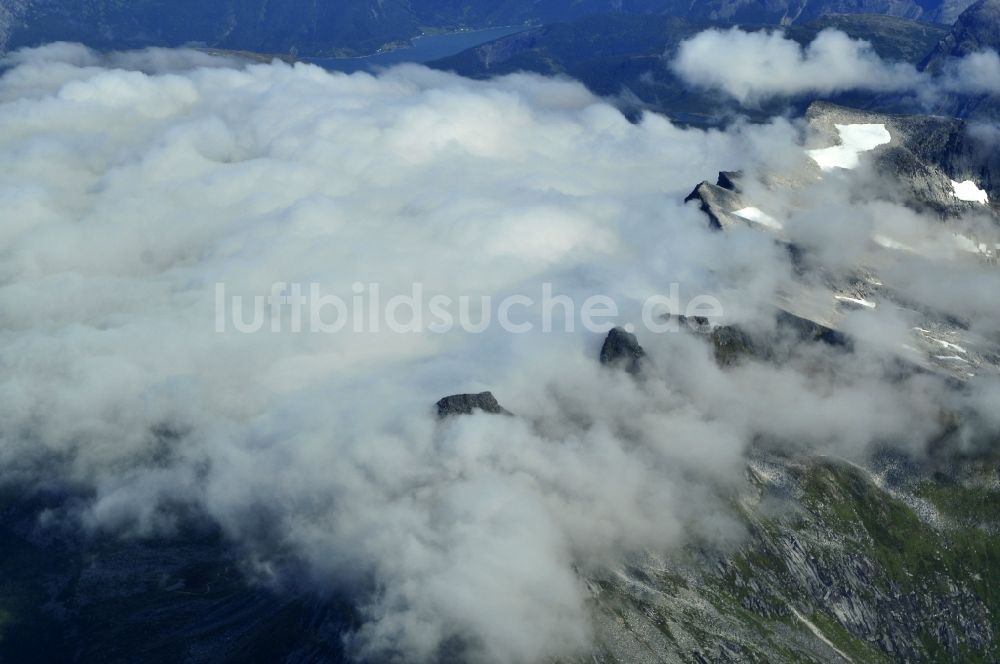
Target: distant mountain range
{"points": [[351, 27]]}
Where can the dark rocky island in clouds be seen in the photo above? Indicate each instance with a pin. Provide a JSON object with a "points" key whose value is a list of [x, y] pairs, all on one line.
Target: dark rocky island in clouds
{"points": [[782, 446]]}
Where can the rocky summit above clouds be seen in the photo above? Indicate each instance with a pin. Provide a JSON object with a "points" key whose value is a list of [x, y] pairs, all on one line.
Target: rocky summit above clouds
{"points": [[467, 404], [621, 349], [720, 202]]}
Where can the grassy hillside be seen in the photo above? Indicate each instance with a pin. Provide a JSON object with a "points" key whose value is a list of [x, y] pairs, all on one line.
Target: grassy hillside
{"points": [[836, 567]]}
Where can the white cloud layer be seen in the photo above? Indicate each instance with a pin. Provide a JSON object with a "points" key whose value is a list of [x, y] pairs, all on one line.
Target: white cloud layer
{"points": [[753, 67], [131, 186]]}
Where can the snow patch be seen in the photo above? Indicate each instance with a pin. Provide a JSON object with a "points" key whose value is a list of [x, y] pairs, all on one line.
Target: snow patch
{"points": [[854, 139], [818, 633], [888, 243], [867, 304], [972, 246], [968, 191], [949, 345], [757, 216], [941, 342], [953, 358]]}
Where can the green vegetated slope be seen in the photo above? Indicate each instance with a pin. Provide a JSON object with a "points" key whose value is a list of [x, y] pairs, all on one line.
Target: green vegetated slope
{"points": [[835, 568]]}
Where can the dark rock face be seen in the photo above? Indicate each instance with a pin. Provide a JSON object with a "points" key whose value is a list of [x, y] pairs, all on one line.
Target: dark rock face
{"points": [[729, 180], [731, 344], [622, 349], [717, 202], [467, 404], [810, 331], [699, 324]]}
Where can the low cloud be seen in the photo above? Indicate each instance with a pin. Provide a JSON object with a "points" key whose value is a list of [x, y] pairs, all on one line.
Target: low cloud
{"points": [[977, 73], [754, 67]]}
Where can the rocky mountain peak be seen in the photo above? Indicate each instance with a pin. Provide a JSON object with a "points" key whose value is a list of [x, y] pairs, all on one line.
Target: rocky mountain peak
{"points": [[622, 349], [467, 404]]}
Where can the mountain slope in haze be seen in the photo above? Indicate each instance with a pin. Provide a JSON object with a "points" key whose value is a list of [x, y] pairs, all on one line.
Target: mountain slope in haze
{"points": [[255, 25], [782, 12], [977, 29], [617, 54], [350, 27], [608, 54]]}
